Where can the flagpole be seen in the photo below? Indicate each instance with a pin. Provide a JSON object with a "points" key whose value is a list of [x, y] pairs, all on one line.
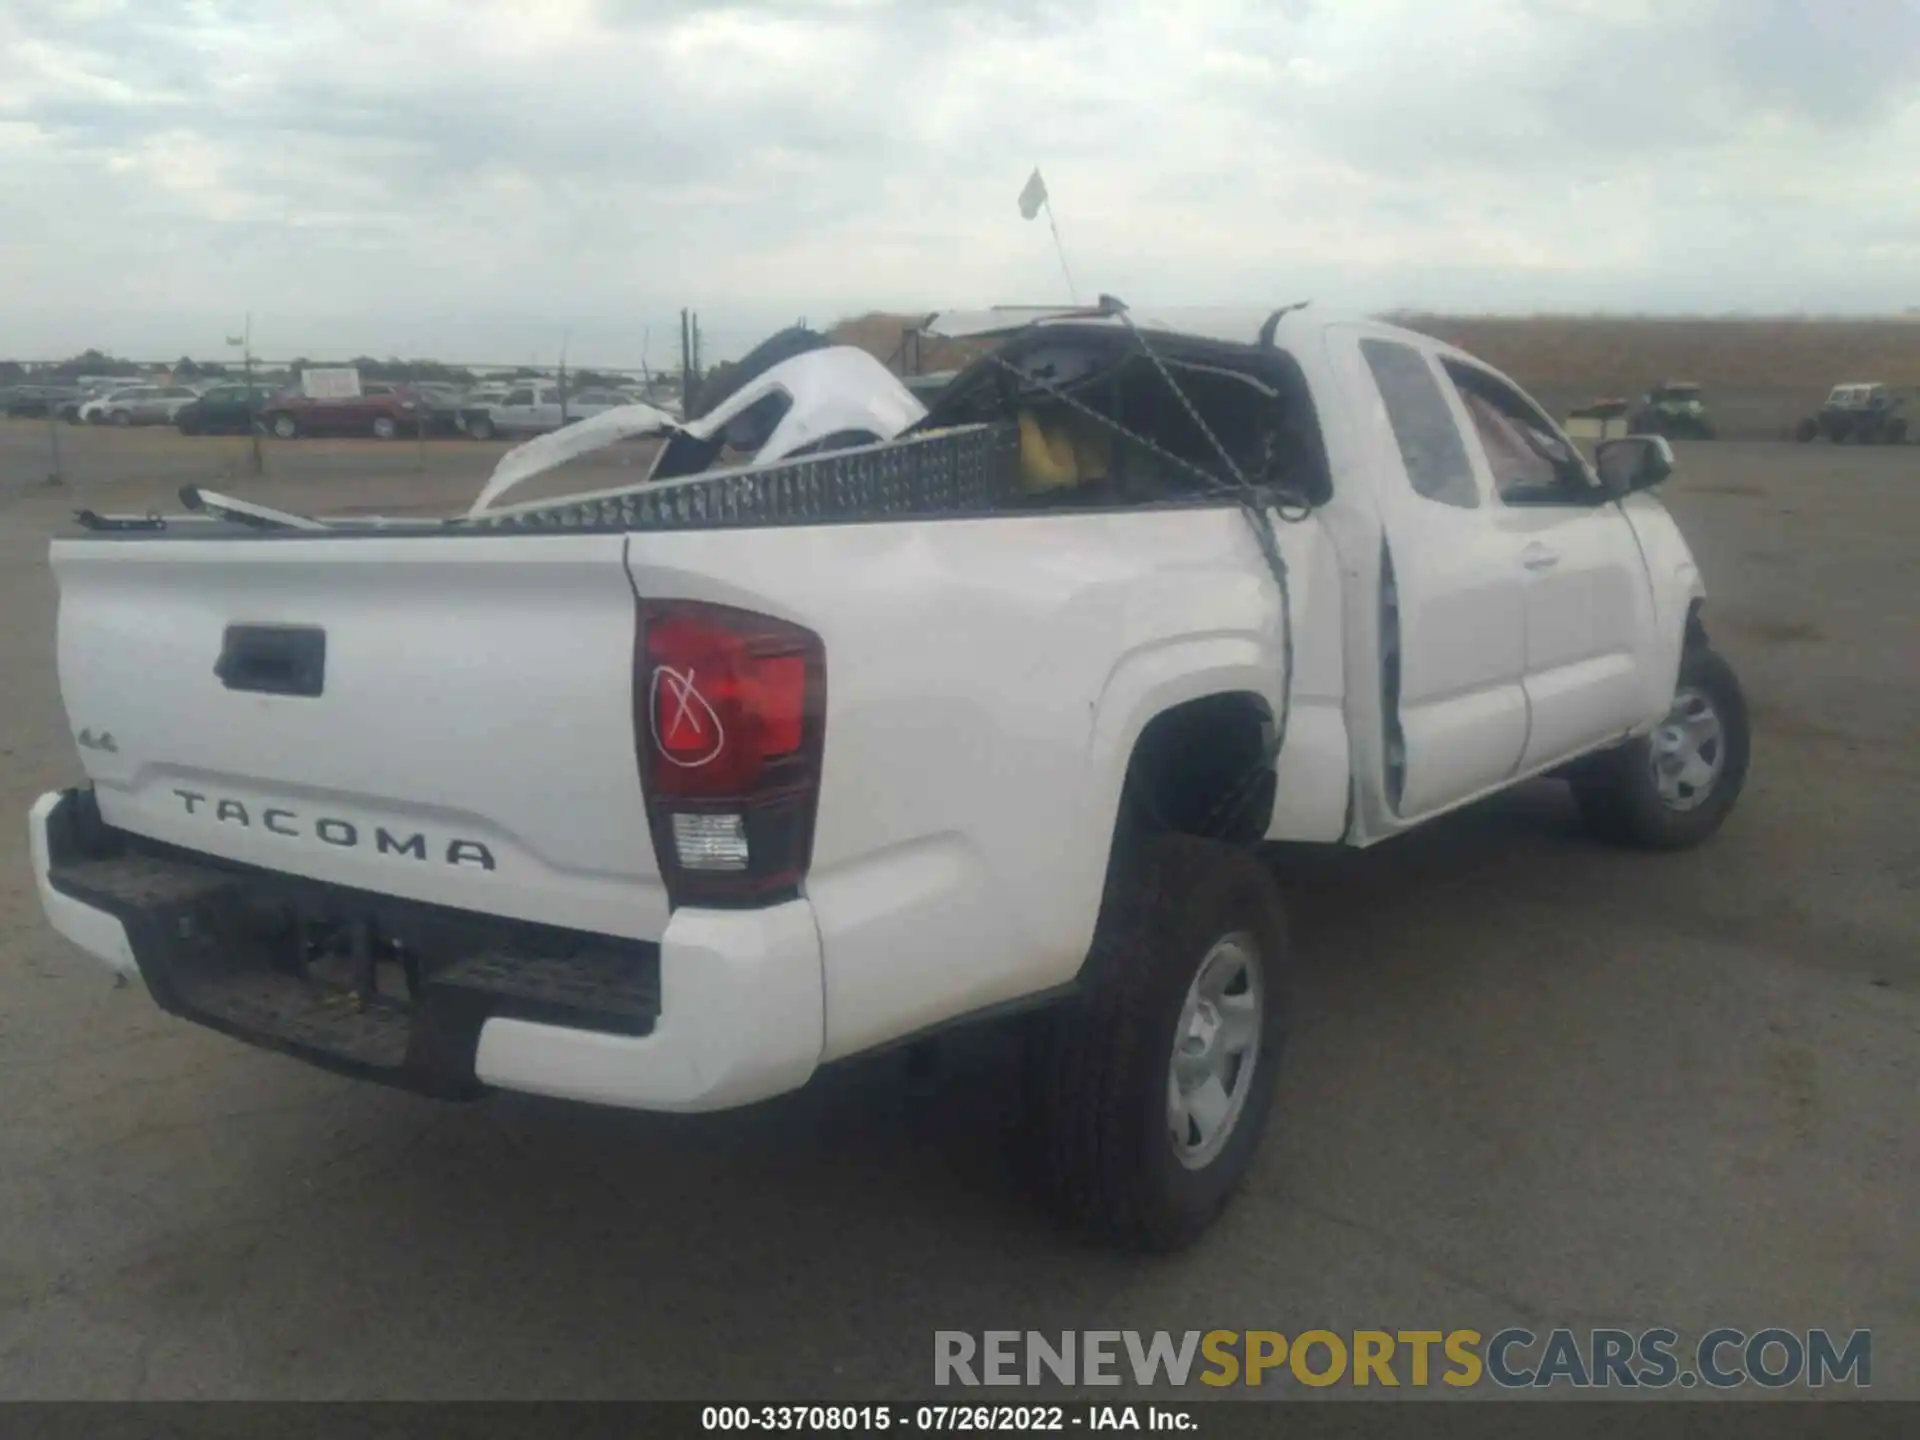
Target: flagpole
{"points": [[1073, 293]]}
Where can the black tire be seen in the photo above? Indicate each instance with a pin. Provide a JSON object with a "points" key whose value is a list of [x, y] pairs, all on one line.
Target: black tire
{"points": [[1806, 431], [1894, 433], [480, 428], [384, 428], [1617, 793], [283, 425], [122, 418], [1100, 1143]]}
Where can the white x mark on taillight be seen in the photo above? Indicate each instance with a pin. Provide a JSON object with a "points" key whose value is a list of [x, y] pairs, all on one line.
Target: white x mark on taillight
{"points": [[689, 706]]}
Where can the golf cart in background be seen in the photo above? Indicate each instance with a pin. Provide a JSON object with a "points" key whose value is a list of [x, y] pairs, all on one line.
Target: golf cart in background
{"points": [[1676, 410], [1861, 412]]}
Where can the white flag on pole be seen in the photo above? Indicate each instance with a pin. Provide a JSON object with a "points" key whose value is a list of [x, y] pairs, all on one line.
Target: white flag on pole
{"points": [[1033, 195]]}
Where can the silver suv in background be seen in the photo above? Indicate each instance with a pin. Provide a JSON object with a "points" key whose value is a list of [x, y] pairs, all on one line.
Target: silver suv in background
{"points": [[139, 405]]}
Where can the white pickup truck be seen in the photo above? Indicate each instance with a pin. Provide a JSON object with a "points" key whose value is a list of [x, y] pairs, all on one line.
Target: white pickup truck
{"points": [[534, 407], [668, 796]]}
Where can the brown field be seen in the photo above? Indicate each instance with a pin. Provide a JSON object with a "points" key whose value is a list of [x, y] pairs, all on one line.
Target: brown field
{"points": [[1760, 374]]}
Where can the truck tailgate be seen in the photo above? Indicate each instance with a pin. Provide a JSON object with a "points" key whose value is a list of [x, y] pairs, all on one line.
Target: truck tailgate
{"points": [[444, 718]]}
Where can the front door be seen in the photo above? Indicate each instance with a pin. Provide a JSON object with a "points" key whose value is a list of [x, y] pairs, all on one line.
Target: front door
{"points": [[1453, 636]]}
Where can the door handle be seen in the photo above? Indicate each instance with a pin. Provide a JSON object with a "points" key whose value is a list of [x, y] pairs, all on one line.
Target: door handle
{"points": [[1538, 557]]}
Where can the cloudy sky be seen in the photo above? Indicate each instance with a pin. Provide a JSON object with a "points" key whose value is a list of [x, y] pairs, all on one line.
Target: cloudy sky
{"points": [[474, 179]]}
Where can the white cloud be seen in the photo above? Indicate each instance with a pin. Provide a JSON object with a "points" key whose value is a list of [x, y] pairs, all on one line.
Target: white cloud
{"points": [[461, 177]]}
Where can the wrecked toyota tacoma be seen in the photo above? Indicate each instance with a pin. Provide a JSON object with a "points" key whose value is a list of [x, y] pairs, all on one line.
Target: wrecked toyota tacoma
{"points": [[669, 795]]}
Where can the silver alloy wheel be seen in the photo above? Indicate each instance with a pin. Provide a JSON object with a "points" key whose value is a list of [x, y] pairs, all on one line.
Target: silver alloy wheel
{"points": [[1216, 1046], [1688, 751]]}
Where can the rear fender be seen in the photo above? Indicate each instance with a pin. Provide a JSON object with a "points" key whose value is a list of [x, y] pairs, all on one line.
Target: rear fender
{"points": [[1143, 685]]}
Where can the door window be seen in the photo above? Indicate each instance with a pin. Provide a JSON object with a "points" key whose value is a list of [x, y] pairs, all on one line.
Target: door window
{"points": [[1531, 464], [518, 397], [1423, 426]]}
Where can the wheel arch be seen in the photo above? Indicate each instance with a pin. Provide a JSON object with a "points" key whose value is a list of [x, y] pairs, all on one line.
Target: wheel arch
{"points": [[1157, 708]]}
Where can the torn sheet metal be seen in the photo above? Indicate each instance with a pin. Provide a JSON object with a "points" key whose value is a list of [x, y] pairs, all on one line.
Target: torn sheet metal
{"points": [[840, 390]]}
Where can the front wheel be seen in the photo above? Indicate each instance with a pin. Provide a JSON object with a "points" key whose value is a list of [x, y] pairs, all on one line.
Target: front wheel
{"points": [[122, 418], [1148, 1092], [384, 428], [284, 426], [480, 428], [1675, 787]]}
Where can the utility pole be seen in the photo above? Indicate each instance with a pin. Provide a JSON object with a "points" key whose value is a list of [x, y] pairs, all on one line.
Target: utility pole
{"points": [[687, 364], [245, 342]]}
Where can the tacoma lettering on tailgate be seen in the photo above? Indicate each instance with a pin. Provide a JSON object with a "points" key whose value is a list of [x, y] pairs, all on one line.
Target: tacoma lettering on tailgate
{"points": [[330, 830]]}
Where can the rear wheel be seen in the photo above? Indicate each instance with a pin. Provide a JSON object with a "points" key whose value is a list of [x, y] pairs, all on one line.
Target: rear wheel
{"points": [[1806, 430], [123, 417], [1675, 787], [480, 428], [384, 428], [1150, 1090], [1895, 432], [284, 426]]}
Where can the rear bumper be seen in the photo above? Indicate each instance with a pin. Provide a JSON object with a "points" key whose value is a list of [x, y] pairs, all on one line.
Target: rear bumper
{"points": [[727, 1009]]}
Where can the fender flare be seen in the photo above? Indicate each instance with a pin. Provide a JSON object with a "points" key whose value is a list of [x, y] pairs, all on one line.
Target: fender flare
{"points": [[1144, 684]]}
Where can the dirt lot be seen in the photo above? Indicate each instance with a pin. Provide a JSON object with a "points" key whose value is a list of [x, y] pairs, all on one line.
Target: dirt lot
{"points": [[1536, 1082]]}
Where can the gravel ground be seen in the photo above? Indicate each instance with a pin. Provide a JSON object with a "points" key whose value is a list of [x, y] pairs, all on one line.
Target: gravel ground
{"points": [[1535, 1082]]}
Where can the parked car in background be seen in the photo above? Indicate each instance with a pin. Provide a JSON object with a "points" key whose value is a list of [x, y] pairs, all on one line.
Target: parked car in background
{"points": [[22, 401], [139, 405], [381, 409], [1676, 409], [1861, 411], [440, 405], [224, 409], [526, 408], [479, 397], [86, 388]]}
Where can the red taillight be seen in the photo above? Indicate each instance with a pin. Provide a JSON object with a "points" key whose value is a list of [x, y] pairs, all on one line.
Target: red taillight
{"points": [[729, 711]]}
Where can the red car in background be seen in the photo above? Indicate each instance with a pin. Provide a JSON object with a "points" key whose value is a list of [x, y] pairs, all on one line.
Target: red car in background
{"points": [[381, 410]]}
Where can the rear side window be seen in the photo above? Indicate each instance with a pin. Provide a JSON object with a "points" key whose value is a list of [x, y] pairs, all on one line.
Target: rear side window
{"points": [[1430, 445]]}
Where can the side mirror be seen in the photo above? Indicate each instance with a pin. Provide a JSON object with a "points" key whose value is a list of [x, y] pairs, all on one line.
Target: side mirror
{"points": [[1638, 462]]}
